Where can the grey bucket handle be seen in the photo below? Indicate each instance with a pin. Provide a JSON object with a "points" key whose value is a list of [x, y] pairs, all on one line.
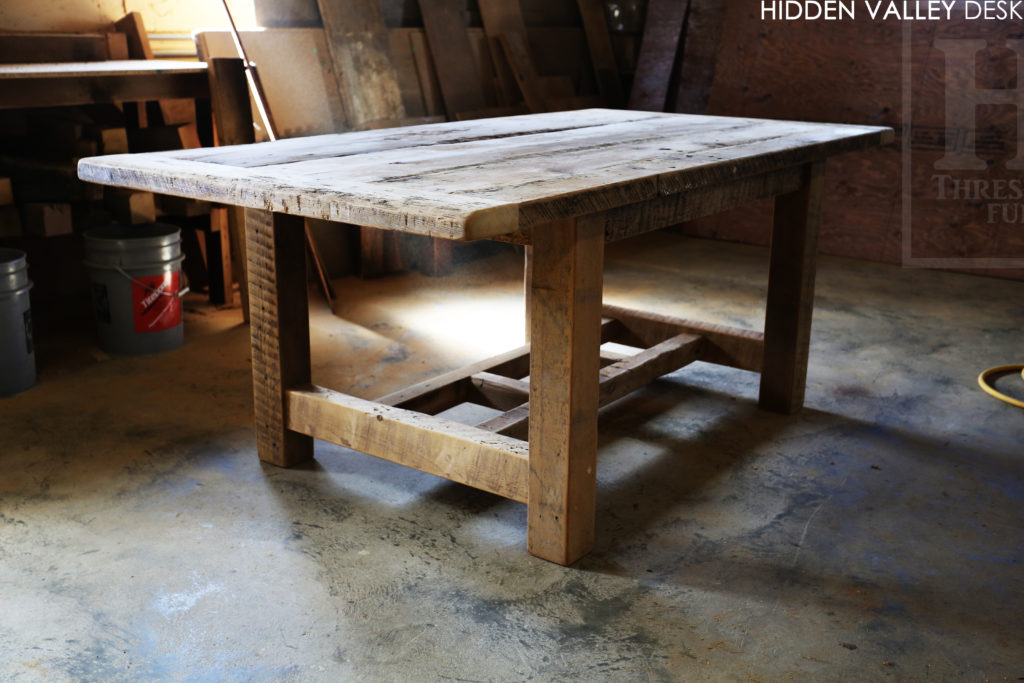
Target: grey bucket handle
{"points": [[176, 295]]}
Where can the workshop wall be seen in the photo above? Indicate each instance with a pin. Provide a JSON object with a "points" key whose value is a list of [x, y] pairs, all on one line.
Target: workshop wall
{"points": [[851, 72]]}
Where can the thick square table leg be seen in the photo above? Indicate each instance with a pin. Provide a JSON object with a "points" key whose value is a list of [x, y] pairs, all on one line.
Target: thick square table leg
{"points": [[787, 326], [279, 328], [565, 317]]}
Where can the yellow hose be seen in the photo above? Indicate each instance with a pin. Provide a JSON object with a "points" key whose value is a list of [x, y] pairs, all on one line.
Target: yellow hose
{"points": [[992, 391]]}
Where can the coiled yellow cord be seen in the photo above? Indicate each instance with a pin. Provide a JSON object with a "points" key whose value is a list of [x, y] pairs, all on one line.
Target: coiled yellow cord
{"points": [[992, 391]]}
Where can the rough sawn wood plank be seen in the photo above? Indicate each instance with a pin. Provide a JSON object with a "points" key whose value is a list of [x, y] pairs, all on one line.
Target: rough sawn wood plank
{"points": [[485, 178]]}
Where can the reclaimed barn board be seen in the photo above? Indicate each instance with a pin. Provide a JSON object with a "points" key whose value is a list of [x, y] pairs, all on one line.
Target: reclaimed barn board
{"points": [[404, 61], [358, 44], [454, 60], [602, 57], [73, 83], [502, 18], [279, 331], [28, 48], [489, 177], [787, 328], [663, 29], [137, 47], [695, 68], [448, 449], [306, 105], [566, 284]]}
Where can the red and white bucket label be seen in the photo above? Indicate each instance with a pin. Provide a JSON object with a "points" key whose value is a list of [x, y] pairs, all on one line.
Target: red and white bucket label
{"points": [[155, 302]]}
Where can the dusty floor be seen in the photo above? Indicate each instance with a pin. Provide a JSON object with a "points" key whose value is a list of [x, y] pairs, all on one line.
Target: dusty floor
{"points": [[878, 534]]}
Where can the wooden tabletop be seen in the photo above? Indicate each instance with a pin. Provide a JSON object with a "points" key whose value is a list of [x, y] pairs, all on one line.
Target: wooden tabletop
{"points": [[489, 177]]}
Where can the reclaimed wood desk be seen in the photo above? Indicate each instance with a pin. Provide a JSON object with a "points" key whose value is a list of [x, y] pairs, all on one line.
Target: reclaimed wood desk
{"points": [[562, 183]]}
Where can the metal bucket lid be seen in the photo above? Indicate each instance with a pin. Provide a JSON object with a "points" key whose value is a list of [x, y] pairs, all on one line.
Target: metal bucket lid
{"points": [[145, 236], [132, 246]]}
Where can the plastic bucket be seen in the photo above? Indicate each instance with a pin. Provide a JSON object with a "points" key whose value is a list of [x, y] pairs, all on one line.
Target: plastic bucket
{"points": [[136, 286], [17, 352]]}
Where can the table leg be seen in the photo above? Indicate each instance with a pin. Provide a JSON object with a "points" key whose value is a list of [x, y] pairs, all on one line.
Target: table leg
{"points": [[565, 313], [787, 327], [279, 330]]}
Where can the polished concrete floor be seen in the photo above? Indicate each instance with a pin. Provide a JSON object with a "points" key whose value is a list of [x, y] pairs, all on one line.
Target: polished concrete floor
{"points": [[879, 534]]}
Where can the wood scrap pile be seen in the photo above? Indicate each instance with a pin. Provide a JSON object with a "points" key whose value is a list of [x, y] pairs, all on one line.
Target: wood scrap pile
{"points": [[40, 193]]}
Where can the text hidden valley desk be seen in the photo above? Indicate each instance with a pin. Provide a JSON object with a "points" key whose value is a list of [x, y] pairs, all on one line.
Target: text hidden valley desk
{"points": [[562, 183]]}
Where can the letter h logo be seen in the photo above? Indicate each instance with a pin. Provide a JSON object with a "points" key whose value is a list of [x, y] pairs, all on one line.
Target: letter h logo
{"points": [[963, 96]]}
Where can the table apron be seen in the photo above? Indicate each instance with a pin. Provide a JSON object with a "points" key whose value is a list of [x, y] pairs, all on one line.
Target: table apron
{"points": [[666, 210]]}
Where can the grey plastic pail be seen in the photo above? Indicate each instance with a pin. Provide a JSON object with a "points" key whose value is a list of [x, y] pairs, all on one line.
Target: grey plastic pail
{"points": [[136, 286], [17, 352]]}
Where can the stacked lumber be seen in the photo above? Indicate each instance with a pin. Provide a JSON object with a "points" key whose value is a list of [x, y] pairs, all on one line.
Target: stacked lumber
{"points": [[40, 193], [457, 59], [42, 199]]}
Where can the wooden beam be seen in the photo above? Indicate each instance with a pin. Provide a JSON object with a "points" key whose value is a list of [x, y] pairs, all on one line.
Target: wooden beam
{"points": [[502, 18], [448, 449], [723, 345], [663, 30], [514, 422], [517, 53], [229, 97], [599, 42], [418, 396], [117, 46], [634, 372], [430, 86], [502, 393], [451, 388], [357, 40], [624, 375], [138, 47], [568, 259], [456, 65], [28, 48], [688, 204], [695, 68], [790, 302], [134, 29], [77, 83], [279, 329]]}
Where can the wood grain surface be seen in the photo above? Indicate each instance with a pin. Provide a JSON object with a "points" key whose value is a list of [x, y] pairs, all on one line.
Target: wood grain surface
{"points": [[453, 55], [358, 44], [489, 177]]}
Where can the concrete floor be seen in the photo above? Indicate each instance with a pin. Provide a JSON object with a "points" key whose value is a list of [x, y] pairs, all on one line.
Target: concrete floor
{"points": [[878, 534]]}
